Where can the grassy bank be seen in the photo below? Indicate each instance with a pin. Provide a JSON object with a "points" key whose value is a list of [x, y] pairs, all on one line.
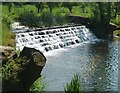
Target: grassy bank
{"points": [[8, 37], [38, 85]]}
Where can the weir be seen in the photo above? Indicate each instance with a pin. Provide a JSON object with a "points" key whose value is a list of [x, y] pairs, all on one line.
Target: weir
{"points": [[50, 39]]}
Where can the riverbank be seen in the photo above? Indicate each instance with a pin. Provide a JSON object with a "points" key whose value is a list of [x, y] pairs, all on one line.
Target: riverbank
{"points": [[16, 69], [87, 58], [45, 15]]}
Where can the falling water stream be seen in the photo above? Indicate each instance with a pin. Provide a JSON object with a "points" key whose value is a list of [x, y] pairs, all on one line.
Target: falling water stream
{"points": [[52, 39], [71, 50]]}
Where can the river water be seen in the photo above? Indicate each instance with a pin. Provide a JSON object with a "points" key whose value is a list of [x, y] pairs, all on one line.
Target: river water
{"points": [[96, 63], [71, 50]]}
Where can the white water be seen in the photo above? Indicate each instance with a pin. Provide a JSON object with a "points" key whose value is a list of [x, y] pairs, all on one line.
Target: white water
{"points": [[16, 27], [52, 39]]}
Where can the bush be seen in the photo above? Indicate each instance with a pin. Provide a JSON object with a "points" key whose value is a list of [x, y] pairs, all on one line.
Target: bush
{"points": [[29, 19], [38, 85], [74, 85], [10, 70], [61, 18], [7, 20], [47, 19]]}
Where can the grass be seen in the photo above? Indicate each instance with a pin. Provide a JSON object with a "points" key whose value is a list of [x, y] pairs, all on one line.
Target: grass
{"points": [[11, 68], [38, 85], [77, 11], [0, 33], [7, 36], [73, 86]]}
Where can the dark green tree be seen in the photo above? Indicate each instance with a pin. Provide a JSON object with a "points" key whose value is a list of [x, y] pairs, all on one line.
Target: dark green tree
{"points": [[69, 5], [116, 8], [39, 6], [51, 5], [83, 6], [10, 5], [103, 12]]}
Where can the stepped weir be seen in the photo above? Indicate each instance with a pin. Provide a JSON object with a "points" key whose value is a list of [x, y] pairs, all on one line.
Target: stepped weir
{"points": [[50, 39]]}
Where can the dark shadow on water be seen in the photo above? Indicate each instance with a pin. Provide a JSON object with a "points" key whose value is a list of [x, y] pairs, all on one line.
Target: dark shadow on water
{"points": [[100, 74]]}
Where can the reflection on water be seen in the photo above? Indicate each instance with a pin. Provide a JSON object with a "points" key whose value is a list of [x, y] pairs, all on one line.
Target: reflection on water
{"points": [[102, 68], [96, 64]]}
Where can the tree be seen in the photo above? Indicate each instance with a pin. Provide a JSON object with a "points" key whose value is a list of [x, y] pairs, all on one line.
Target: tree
{"points": [[19, 4], [116, 8], [10, 5], [39, 6], [51, 5], [104, 12], [69, 5]]}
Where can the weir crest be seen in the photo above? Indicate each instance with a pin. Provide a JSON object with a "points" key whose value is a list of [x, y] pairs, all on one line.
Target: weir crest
{"points": [[51, 39]]}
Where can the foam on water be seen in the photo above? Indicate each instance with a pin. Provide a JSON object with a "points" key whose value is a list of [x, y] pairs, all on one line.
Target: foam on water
{"points": [[54, 39]]}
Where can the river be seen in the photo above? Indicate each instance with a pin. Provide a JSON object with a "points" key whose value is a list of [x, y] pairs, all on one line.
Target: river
{"points": [[96, 63]]}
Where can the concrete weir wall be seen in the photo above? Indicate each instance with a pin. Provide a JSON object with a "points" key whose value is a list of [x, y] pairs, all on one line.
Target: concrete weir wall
{"points": [[49, 39]]}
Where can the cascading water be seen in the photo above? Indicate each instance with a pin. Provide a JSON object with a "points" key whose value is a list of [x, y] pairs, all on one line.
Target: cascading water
{"points": [[55, 38]]}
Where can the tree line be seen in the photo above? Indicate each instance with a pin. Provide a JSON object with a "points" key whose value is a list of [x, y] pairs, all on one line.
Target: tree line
{"points": [[103, 11]]}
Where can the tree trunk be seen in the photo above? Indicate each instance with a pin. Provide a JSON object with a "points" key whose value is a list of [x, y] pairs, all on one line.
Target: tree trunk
{"points": [[100, 4], [70, 9], [116, 9], [109, 12], [38, 9], [50, 9], [9, 8]]}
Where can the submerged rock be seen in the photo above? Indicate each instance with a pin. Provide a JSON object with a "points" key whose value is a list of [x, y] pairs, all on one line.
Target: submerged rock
{"points": [[23, 70]]}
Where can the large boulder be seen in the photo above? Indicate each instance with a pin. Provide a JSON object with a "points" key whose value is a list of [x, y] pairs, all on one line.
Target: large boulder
{"points": [[24, 70]]}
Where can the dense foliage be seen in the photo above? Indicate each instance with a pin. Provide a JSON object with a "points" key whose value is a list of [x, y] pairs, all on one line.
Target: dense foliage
{"points": [[11, 68], [31, 19], [102, 12], [7, 36]]}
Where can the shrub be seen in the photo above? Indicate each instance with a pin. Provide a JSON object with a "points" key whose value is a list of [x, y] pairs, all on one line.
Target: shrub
{"points": [[47, 19], [74, 85], [30, 19], [11, 68], [61, 18], [7, 20], [38, 85]]}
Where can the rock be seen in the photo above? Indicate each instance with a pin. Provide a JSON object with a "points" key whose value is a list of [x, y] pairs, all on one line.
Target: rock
{"points": [[29, 70], [38, 56], [6, 53]]}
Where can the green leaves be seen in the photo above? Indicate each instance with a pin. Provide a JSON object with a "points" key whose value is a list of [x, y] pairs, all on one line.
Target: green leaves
{"points": [[10, 70], [38, 85], [29, 18], [46, 18], [74, 85]]}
